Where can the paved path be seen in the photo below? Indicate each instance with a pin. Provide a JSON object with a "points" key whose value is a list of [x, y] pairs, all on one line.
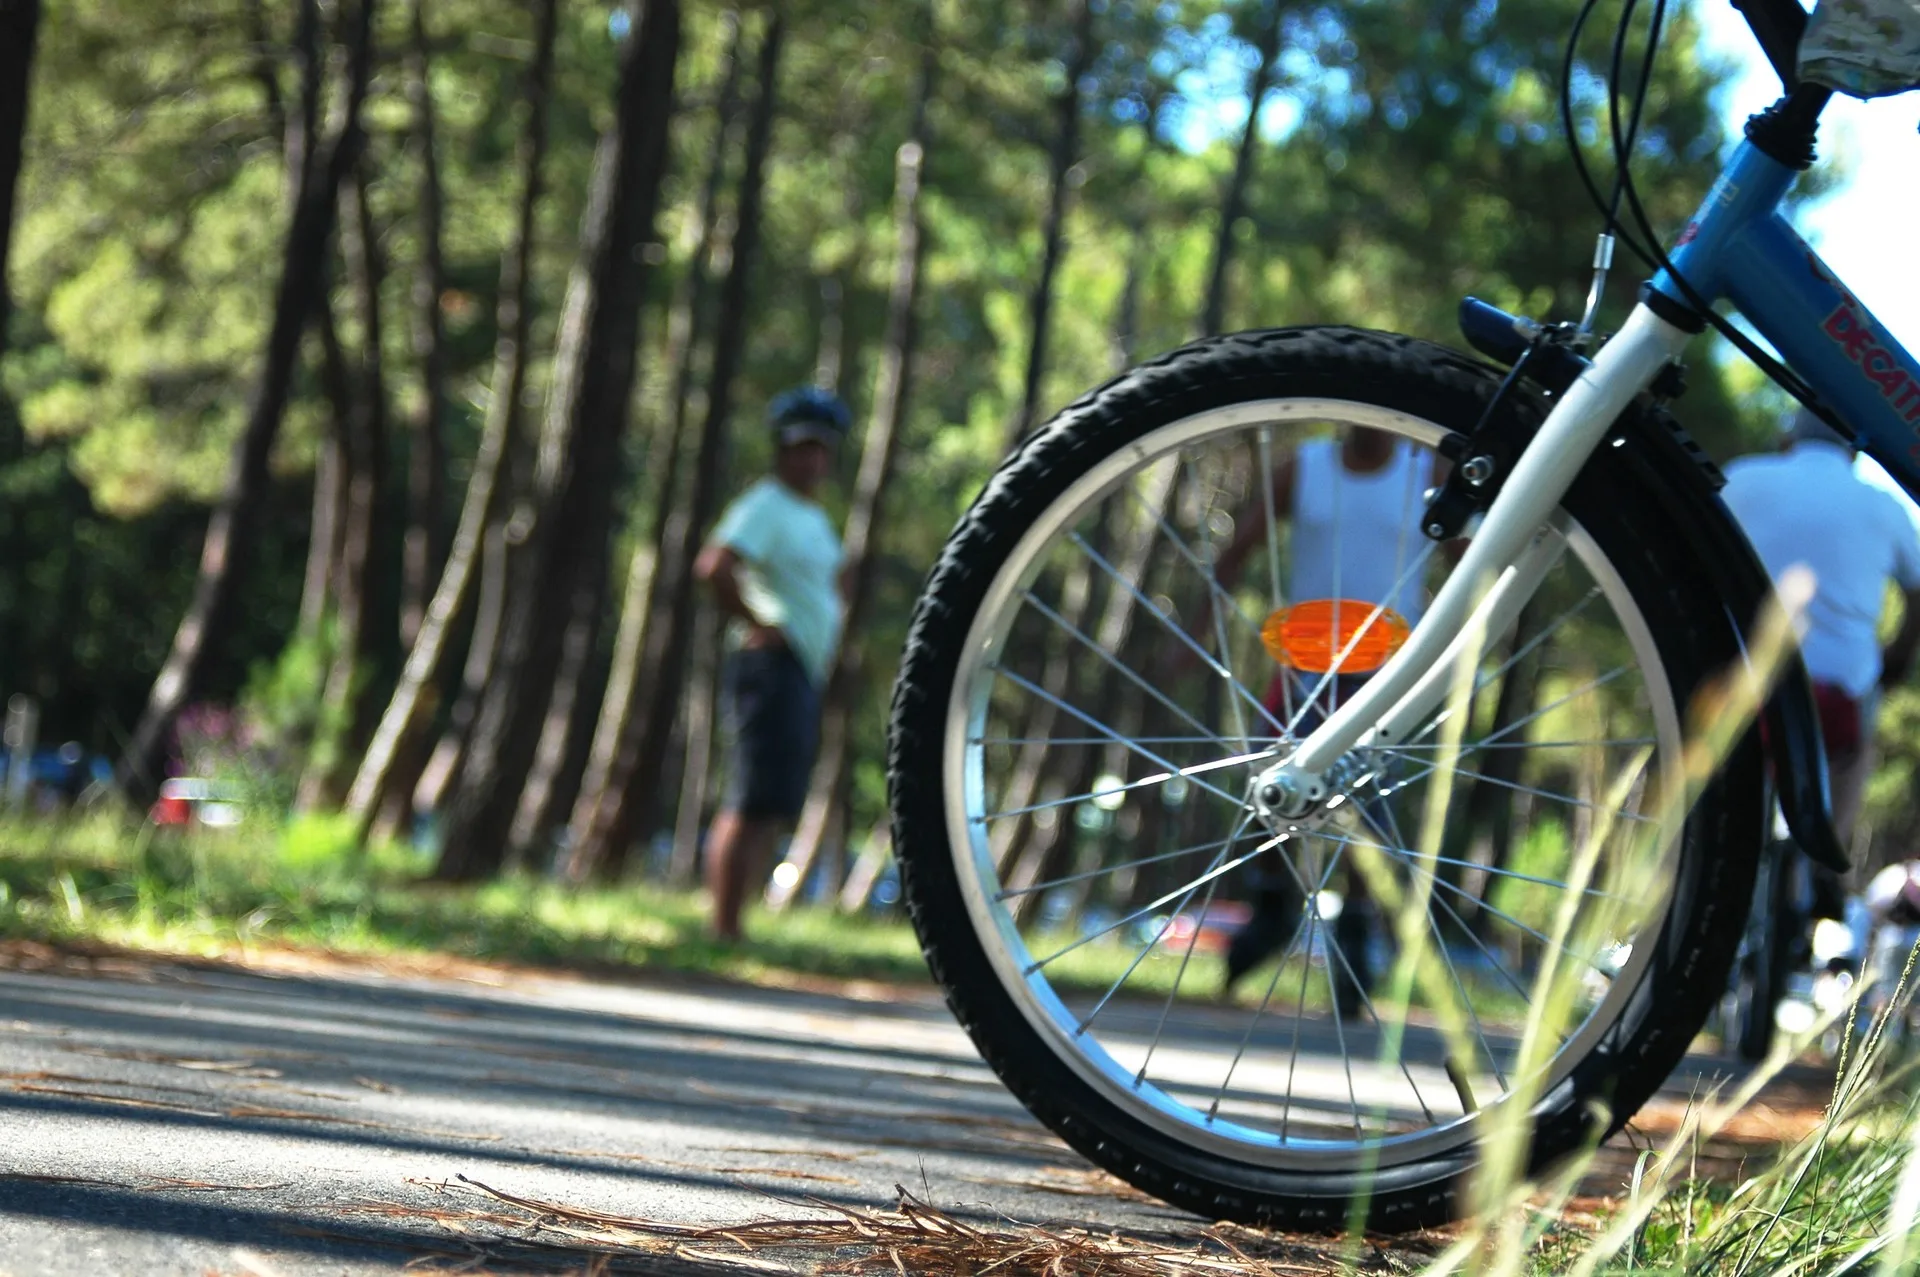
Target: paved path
{"points": [[163, 1119], [169, 1119]]}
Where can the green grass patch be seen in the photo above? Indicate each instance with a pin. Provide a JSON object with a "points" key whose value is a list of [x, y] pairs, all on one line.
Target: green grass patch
{"points": [[97, 880]]}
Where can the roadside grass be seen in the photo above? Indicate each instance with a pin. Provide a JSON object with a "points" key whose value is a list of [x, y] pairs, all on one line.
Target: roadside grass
{"points": [[98, 880], [1844, 1199]]}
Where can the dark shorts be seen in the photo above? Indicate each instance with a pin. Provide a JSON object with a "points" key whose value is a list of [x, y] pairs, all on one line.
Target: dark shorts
{"points": [[770, 711]]}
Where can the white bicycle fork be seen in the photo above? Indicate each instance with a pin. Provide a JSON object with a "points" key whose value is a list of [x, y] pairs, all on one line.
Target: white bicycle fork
{"points": [[1517, 543]]}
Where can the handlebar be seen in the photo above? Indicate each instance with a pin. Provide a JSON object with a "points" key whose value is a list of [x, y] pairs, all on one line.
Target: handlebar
{"points": [[1778, 25]]}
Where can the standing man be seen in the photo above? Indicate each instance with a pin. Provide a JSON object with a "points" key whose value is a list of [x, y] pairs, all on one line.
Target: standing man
{"points": [[1805, 507], [1354, 505], [774, 566]]}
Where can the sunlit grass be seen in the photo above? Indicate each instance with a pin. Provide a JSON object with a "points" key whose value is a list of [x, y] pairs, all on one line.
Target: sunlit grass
{"points": [[101, 881], [1845, 1199]]}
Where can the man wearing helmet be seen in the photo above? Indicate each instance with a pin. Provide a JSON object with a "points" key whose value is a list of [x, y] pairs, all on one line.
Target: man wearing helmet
{"points": [[773, 563]]}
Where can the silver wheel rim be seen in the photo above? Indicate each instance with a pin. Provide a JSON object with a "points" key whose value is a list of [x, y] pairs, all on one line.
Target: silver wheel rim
{"points": [[1089, 1054]]}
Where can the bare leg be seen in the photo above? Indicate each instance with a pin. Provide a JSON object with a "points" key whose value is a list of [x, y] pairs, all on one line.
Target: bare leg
{"points": [[736, 847], [1847, 777]]}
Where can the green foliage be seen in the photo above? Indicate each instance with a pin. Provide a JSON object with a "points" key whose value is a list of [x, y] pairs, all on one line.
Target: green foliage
{"points": [[1407, 156]]}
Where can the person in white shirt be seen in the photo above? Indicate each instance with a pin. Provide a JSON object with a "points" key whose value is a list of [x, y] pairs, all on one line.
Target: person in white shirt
{"points": [[1353, 506], [773, 563], [1805, 507]]}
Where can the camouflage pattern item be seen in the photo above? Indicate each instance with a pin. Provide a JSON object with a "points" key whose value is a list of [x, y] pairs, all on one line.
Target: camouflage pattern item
{"points": [[1863, 48]]}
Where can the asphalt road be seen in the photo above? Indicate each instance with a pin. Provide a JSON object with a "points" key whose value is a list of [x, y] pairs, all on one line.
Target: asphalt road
{"points": [[159, 1118]]}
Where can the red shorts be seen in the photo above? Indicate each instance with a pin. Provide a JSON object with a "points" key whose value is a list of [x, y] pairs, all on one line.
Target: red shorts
{"points": [[1840, 725]]}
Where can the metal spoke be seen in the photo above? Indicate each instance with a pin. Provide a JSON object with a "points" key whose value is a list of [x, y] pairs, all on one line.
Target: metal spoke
{"points": [[1519, 654], [1340, 1036], [1589, 686], [1310, 913], [1266, 499], [1010, 892], [1334, 950], [1299, 1017], [1179, 631], [1469, 747], [1153, 609], [1440, 943], [1097, 725], [1215, 590], [1121, 667], [1555, 796], [1514, 873], [1166, 1007], [1144, 782], [1095, 740], [1410, 860], [1213, 871], [1219, 621], [1326, 679], [1213, 885], [1478, 943]]}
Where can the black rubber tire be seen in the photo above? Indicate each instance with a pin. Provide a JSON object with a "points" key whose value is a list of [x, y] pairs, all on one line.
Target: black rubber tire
{"points": [[1768, 959], [1701, 933]]}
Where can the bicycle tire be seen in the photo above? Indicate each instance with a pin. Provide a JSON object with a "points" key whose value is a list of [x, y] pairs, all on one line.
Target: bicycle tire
{"points": [[1698, 933], [1765, 966]]}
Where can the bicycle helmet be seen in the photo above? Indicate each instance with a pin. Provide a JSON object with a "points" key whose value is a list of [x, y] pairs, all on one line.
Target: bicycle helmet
{"points": [[808, 412]]}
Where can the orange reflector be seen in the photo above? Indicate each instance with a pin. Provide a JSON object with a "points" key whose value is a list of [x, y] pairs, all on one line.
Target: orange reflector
{"points": [[1306, 637]]}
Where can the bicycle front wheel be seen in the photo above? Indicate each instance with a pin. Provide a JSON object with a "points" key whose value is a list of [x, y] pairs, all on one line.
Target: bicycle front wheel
{"points": [[1286, 1025]]}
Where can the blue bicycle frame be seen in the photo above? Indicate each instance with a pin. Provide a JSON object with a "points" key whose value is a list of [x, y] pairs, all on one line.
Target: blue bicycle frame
{"points": [[1739, 247]]}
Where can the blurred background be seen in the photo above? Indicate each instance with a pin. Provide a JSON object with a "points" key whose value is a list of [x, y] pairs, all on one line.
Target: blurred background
{"points": [[373, 369]]}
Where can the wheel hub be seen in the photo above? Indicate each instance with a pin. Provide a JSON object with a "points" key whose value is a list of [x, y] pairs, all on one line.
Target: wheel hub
{"points": [[1286, 799]]}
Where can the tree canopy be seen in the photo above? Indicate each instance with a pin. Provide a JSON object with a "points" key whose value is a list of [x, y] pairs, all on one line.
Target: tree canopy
{"points": [[1076, 169]]}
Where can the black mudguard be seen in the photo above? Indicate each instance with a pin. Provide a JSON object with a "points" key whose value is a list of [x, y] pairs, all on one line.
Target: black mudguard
{"points": [[1687, 486]]}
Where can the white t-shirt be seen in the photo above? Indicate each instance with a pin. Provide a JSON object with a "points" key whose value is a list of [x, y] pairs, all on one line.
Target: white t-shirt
{"points": [[1356, 535], [790, 568], [1807, 508]]}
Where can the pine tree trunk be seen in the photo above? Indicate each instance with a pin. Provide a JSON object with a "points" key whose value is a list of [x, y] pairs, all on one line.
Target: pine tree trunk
{"points": [[396, 757], [19, 25], [586, 414], [346, 706], [830, 356], [1233, 202], [606, 822], [689, 314], [1065, 157], [230, 532], [560, 757], [697, 724], [865, 872], [323, 538], [685, 325], [490, 605], [425, 548], [329, 466], [868, 509], [564, 762], [1134, 527]]}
